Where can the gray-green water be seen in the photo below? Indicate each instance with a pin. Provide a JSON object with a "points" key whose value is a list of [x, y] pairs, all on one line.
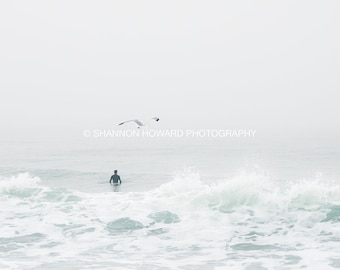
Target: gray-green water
{"points": [[199, 204]]}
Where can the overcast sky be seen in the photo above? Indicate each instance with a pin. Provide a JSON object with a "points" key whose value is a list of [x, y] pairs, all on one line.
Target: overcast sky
{"points": [[205, 64]]}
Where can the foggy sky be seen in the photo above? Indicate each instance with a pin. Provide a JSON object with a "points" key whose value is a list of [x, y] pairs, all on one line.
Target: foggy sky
{"points": [[205, 64]]}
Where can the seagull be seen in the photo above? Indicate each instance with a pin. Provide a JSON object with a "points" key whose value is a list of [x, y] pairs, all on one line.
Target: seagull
{"points": [[139, 123]]}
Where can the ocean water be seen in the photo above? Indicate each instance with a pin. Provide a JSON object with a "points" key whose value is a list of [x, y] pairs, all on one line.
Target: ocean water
{"points": [[198, 204]]}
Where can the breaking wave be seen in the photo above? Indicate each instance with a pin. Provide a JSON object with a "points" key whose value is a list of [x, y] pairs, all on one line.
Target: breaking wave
{"points": [[221, 224]]}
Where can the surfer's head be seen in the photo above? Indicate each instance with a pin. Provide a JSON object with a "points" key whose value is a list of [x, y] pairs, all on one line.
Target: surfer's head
{"points": [[115, 171]]}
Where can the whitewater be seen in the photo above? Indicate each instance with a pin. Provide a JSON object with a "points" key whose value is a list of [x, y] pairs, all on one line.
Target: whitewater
{"points": [[55, 216]]}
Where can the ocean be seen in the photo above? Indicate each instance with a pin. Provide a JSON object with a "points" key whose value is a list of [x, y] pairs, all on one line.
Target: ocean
{"points": [[198, 204]]}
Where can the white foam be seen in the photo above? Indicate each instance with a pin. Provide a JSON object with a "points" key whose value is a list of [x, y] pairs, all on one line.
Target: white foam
{"points": [[236, 222], [20, 181]]}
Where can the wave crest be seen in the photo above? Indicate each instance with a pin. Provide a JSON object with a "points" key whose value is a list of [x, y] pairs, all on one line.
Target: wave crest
{"points": [[249, 189]]}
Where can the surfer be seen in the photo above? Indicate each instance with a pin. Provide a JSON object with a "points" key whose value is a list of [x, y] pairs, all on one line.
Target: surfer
{"points": [[115, 178]]}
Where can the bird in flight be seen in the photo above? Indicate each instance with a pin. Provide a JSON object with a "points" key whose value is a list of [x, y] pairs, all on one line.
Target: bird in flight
{"points": [[139, 123]]}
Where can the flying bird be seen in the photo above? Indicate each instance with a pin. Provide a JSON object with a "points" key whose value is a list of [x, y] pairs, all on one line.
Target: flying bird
{"points": [[139, 123]]}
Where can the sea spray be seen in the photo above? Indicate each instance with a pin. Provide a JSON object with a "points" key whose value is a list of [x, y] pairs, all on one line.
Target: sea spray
{"points": [[244, 221]]}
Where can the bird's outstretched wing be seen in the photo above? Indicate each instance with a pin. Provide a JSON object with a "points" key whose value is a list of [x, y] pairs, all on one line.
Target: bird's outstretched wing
{"points": [[139, 123], [153, 118]]}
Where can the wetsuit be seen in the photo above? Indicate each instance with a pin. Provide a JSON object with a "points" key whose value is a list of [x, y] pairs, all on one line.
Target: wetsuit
{"points": [[115, 179]]}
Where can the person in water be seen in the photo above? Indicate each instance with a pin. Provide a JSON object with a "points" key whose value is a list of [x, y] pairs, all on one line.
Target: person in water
{"points": [[115, 178]]}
